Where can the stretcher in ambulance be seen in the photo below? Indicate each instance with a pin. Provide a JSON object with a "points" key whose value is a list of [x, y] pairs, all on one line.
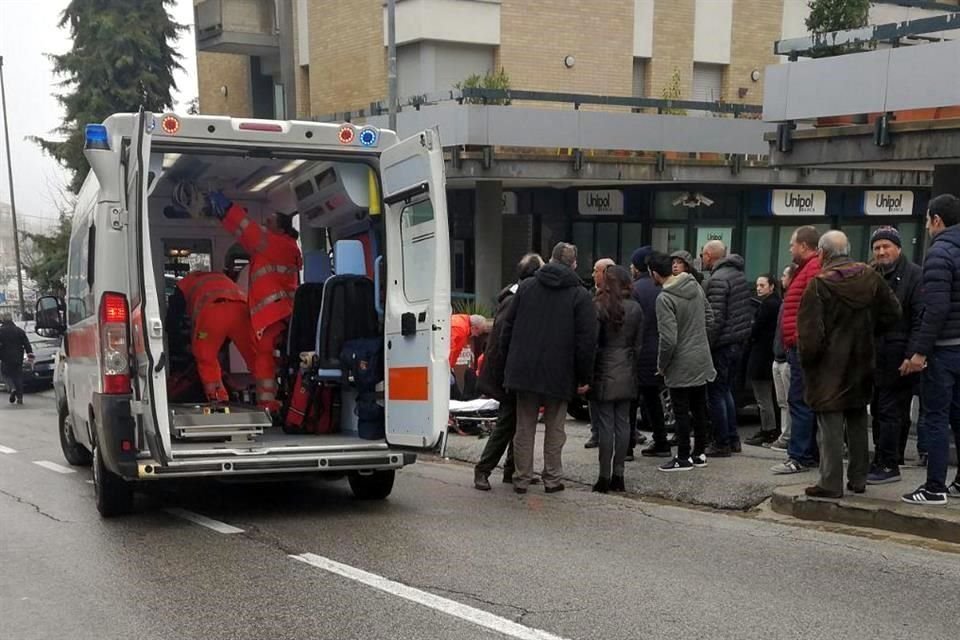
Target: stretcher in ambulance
{"points": [[372, 225]]}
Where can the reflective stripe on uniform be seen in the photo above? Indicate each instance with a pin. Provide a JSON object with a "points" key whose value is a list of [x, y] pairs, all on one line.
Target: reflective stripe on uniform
{"points": [[241, 227], [270, 268], [270, 299], [267, 383]]}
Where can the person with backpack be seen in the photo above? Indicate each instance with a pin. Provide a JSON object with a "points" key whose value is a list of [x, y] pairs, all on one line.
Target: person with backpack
{"points": [[615, 374]]}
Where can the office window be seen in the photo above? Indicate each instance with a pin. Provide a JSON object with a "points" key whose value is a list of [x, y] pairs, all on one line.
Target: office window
{"points": [[639, 77], [707, 82]]}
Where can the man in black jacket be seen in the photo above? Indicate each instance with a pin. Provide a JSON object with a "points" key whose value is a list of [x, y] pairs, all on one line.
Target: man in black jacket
{"points": [[549, 339], [893, 394], [490, 383], [728, 293], [934, 348], [13, 344]]}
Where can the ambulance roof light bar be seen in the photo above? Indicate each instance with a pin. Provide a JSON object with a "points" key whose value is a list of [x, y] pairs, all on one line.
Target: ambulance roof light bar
{"points": [[96, 137]]}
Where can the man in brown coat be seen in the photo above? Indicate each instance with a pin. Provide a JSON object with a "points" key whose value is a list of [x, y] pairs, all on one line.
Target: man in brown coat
{"points": [[841, 311]]}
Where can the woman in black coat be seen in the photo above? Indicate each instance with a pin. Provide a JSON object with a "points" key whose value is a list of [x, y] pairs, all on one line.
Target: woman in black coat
{"points": [[760, 362], [615, 374]]}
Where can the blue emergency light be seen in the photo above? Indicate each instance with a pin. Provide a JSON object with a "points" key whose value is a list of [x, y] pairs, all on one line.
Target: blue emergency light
{"points": [[368, 136], [96, 137]]}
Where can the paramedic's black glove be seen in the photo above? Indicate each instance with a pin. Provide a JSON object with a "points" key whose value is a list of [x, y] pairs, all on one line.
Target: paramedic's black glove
{"points": [[218, 204]]}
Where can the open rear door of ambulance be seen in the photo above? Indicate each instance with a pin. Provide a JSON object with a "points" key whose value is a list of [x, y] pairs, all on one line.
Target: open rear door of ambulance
{"points": [[417, 314], [146, 320]]}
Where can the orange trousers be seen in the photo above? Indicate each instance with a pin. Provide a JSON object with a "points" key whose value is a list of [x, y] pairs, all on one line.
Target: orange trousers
{"points": [[265, 364], [216, 323]]}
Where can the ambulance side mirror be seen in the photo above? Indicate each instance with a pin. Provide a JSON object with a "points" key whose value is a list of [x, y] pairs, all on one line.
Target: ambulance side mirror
{"points": [[51, 317]]}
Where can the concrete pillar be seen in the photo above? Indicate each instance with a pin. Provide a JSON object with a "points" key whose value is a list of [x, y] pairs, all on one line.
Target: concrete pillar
{"points": [[946, 179], [488, 241]]}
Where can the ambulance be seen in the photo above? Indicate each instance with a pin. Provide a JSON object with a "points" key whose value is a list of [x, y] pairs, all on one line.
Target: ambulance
{"points": [[370, 208]]}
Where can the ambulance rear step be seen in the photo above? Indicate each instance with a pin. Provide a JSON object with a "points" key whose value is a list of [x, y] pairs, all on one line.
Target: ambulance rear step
{"points": [[199, 422]]}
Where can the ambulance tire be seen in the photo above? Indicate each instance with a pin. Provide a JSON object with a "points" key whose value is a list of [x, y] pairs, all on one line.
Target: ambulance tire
{"points": [[73, 452], [374, 486], [114, 494]]}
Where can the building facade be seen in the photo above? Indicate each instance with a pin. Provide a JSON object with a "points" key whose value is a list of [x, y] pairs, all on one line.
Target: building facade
{"points": [[555, 169]]}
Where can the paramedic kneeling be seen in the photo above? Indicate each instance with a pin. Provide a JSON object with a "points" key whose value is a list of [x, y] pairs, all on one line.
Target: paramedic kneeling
{"points": [[275, 263], [218, 312]]}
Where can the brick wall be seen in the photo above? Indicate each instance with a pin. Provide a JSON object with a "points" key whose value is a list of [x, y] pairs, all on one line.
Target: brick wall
{"points": [[756, 25], [536, 36], [348, 62], [216, 70], [673, 22]]}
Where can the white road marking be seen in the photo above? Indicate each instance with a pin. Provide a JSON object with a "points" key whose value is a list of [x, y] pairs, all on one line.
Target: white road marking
{"points": [[444, 605], [53, 466], [4, 449], [203, 521]]}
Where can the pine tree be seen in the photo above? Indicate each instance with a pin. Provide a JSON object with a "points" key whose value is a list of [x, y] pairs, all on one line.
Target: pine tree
{"points": [[122, 58]]}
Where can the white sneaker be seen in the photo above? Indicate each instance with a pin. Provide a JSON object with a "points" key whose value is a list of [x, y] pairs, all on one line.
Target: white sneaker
{"points": [[788, 467]]}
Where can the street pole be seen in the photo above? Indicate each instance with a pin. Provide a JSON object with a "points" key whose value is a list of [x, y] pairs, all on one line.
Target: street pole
{"points": [[13, 202], [392, 61]]}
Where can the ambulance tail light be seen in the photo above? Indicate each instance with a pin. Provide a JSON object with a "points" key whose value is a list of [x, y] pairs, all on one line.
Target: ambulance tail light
{"points": [[115, 343]]}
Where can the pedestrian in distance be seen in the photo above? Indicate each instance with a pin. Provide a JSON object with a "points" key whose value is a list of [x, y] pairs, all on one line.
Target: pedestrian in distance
{"points": [[760, 361], [802, 452], [599, 269], [615, 380], [893, 394], [728, 293], [781, 369], [13, 345], [842, 309], [683, 358], [490, 383], [935, 348], [548, 342]]}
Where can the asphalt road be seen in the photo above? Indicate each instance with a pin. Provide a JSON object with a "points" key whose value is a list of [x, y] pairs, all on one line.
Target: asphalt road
{"points": [[437, 560]]}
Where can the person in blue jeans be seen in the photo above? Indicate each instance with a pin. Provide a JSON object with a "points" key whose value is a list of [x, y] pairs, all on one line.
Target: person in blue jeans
{"points": [[935, 348], [802, 451], [728, 294]]}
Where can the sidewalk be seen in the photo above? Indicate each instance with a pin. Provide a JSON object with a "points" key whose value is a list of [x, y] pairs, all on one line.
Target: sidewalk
{"points": [[743, 482]]}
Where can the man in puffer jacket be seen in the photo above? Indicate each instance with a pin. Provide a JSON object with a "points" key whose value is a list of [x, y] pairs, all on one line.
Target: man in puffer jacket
{"points": [[490, 384], [802, 452], [728, 294], [935, 347]]}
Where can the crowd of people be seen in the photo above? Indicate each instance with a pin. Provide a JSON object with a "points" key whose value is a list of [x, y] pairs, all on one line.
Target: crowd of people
{"points": [[831, 345]]}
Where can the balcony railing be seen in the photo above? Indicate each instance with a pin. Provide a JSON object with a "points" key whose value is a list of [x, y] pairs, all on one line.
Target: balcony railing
{"points": [[246, 27]]}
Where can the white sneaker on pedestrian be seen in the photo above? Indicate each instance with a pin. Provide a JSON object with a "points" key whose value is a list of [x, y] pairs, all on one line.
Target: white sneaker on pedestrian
{"points": [[787, 467]]}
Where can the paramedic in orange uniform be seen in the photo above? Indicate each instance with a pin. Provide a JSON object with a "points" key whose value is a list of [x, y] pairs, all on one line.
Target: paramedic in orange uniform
{"points": [[275, 263], [218, 312], [462, 328]]}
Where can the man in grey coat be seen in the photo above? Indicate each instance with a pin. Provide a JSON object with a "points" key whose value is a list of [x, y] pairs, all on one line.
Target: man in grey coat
{"points": [[684, 358], [728, 293]]}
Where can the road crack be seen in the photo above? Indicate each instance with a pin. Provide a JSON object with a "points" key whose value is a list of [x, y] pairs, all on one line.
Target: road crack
{"points": [[36, 507]]}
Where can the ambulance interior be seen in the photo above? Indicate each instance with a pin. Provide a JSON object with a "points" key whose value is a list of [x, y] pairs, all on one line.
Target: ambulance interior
{"points": [[339, 237]]}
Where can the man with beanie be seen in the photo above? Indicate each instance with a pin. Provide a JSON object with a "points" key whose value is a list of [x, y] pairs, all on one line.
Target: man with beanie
{"points": [[645, 292], [893, 394]]}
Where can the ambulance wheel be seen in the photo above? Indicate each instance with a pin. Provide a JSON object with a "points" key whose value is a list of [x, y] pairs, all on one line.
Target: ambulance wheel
{"points": [[374, 486], [74, 452], [114, 494]]}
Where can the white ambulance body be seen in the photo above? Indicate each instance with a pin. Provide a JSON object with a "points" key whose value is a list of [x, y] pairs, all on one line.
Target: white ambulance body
{"points": [[367, 202]]}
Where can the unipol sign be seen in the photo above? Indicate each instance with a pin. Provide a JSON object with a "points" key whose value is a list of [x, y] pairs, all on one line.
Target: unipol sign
{"points": [[798, 202], [593, 203], [888, 203]]}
